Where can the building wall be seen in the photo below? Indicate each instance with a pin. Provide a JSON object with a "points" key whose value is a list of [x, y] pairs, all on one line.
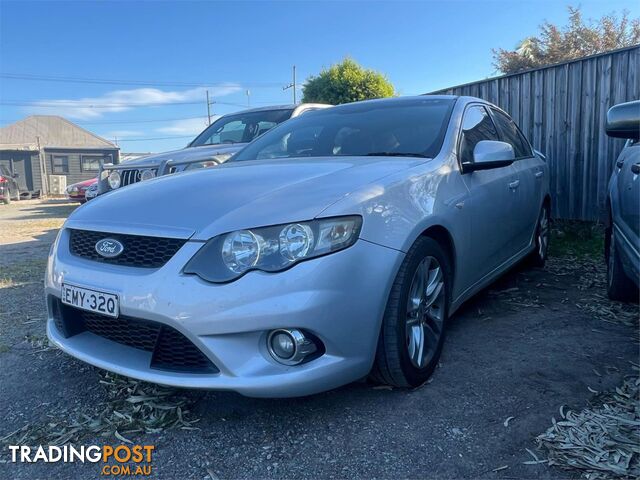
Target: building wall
{"points": [[562, 110], [26, 165], [76, 170]]}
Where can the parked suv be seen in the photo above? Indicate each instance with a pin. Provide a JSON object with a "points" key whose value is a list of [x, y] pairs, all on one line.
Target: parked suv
{"points": [[224, 137], [8, 186], [622, 241]]}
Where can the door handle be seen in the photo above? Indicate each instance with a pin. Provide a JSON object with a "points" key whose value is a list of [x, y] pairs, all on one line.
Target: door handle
{"points": [[635, 168], [514, 185], [539, 174], [619, 163]]}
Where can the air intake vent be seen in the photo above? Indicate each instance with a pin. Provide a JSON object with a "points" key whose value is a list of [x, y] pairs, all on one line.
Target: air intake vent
{"points": [[138, 251], [170, 349]]}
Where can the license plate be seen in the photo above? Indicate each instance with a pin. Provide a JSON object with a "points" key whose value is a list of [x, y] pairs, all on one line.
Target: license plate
{"points": [[91, 300]]}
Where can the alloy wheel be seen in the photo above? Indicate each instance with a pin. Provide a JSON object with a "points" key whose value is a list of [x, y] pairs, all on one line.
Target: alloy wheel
{"points": [[425, 312]]}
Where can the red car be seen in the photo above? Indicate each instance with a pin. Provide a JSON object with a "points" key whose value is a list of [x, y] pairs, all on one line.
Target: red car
{"points": [[77, 191]]}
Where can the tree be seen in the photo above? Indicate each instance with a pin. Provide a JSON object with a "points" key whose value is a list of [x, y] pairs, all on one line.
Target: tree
{"points": [[346, 82], [577, 39]]}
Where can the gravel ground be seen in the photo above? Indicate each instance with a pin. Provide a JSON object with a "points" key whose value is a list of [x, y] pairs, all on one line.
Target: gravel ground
{"points": [[532, 342]]}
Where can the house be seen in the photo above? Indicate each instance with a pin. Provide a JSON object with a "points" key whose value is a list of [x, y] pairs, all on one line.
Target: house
{"points": [[49, 152]]}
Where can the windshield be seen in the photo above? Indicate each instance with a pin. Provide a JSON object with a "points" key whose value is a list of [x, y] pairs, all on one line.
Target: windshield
{"points": [[398, 127], [241, 127]]}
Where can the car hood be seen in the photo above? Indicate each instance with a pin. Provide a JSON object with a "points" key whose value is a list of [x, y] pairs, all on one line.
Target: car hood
{"points": [[190, 153], [234, 196]]}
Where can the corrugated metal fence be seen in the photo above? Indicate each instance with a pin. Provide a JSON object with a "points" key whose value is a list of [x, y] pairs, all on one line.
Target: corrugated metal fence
{"points": [[562, 110]]}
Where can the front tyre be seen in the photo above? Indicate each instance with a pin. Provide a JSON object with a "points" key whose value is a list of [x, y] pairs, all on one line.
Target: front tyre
{"points": [[413, 327], [619, 286]]}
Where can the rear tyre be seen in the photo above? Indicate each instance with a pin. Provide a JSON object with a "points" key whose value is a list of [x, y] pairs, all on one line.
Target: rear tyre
{"points": [[619, 286], [543, 233], [17, 197], [413, 327], [7, 199]]}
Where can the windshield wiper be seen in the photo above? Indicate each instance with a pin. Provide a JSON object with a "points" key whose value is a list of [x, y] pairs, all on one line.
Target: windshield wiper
{"points": [[396, 154]]}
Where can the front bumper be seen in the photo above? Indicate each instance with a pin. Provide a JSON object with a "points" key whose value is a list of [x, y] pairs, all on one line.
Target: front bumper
{"points": [[340, 298], [76, 197]]}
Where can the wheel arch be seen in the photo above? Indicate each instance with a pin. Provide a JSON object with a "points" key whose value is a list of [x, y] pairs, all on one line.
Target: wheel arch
{"points": [[444, 238]]}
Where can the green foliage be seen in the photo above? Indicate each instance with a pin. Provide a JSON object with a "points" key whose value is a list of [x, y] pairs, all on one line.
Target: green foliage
{"points": [[346, 82], [556, 44]]}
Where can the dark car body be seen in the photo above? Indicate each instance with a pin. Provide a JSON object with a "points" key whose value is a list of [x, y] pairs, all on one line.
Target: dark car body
{"points": [[8, 186], [623, 205]]}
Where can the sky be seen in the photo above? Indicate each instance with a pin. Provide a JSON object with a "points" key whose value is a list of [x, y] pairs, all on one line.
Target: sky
{"points": [[167, 54]]}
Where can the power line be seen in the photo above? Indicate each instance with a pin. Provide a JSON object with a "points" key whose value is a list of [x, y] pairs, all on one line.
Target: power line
{"points": [[155, 120], [149, 83], [120, 140], [72, 104]]}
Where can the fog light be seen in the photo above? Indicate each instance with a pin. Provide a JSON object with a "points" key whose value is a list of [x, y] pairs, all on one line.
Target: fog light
{"points": [[289, 346], [282, 345]]}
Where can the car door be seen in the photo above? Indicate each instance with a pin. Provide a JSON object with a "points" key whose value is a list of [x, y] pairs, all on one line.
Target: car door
{"points": [[491, 204], [530, 177], [627, 218]]}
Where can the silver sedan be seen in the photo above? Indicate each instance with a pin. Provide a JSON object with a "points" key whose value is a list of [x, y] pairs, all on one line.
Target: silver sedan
{"points": [[336, 245]]}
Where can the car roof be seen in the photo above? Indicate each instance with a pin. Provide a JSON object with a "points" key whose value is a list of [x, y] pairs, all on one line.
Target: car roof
{"points": [[396, 100], [290, 106]]}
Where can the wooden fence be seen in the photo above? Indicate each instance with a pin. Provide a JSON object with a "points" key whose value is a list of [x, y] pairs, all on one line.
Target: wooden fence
{"points": [[562, 110]]}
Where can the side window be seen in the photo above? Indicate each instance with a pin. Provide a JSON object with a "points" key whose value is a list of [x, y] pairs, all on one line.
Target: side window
{"points": [[91, 163], [512, 135], [231, 132], [476, 126], [60, 164]]}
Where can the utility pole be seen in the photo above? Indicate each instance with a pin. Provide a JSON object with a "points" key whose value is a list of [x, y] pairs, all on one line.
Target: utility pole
{"points": [[292, 85], [208, 108], [42, 159], [248, 98]]}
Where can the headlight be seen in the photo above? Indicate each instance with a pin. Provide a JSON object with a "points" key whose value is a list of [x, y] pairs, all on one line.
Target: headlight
{"points": [[114, 180], [272, 249], [147, 175]]}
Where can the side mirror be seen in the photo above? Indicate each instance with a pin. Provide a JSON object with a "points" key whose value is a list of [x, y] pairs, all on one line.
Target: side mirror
{"points": [[623, 120], [489, 154]]}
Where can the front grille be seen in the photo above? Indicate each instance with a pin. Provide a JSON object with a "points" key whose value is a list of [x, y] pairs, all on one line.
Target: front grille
{"points": [[139, 251], [169, 348], [129, 176]]}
